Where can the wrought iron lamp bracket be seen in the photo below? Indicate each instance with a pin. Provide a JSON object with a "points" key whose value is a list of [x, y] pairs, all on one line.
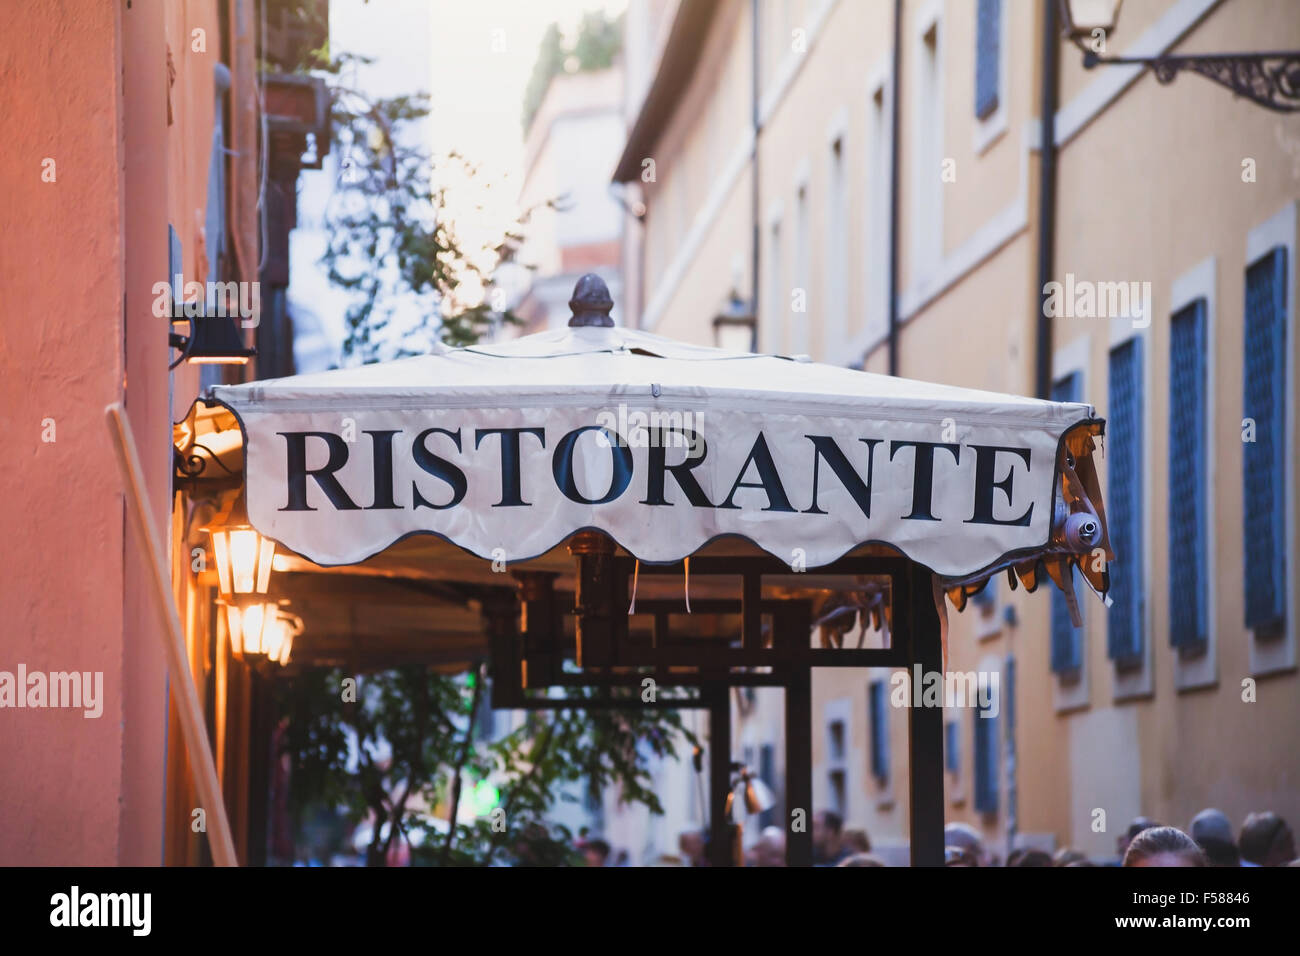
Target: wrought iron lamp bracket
{"points": [[1271, 80]]}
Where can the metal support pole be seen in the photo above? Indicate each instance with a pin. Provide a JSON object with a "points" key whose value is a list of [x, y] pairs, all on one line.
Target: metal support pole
{"points": [[798, 766], [720, 848], [925, 724]]}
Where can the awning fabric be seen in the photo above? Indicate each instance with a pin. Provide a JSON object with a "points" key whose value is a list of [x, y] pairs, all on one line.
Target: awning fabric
{"points": [[508, 449]]}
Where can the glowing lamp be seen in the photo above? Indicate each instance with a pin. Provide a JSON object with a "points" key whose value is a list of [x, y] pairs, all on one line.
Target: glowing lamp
{"points": [[244, 556]]}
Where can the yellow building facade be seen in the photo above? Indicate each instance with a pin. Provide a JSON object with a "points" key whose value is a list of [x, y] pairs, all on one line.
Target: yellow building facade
{"points": [[1169, 223]]}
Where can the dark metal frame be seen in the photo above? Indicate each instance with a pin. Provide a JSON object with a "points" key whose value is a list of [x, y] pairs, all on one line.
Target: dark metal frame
{"points": [[527, 659], [1271, 80]]}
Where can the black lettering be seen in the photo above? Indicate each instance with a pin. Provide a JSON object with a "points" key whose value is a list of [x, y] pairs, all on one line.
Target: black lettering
{"points": [[296, 463], [439, 467], [923, 474], [824, 447], [768, 479], [562, 466], [511, 493], [985, 464], [383, 443], [657, 467]]}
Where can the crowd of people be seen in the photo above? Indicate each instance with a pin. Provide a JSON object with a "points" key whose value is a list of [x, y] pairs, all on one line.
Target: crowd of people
{"points": [[1265, 839]]}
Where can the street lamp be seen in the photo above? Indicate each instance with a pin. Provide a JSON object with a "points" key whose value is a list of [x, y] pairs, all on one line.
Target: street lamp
{"points": [[734, 328], [261, 630], [278, 635], [247, 621], [1271, 79], [1082, 18], [242, 554]]}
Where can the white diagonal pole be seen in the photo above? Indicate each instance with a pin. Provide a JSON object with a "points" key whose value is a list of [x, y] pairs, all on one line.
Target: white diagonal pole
{"points": [[187, 697]]}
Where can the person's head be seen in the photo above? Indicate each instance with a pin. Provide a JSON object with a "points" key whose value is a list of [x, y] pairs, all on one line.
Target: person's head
{"points": [[827, 829], [1266, 840], [1137, 826], [959, 856], [770, 848], [1213, 834], [965, 837], [691, 843], [861, 859], [1067, 855], [1163, 846], [595, 852], [857, 841], [1029, 857]]}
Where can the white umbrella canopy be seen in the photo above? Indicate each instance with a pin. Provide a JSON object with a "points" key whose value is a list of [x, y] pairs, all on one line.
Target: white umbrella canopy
{"points": [[508, 449]]}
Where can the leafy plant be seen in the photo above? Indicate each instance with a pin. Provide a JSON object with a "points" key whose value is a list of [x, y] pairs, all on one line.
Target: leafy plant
{"points": [[391, 241], [406, 751]]}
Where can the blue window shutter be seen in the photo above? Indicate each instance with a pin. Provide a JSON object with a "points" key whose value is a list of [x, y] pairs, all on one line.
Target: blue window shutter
{"points": [[879, 731], [1124, 506], [1008, 690], [1264, 478], [986, 763], [988, 30], [1067, 641], [1188, 515], [952, 747]]}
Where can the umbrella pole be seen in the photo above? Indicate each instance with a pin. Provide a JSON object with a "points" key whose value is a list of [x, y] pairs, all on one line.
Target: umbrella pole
{"points": [[187, 698]]}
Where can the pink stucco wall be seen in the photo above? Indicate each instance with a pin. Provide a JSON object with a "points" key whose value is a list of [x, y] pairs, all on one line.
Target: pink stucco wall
{"points": [[85, 85]]}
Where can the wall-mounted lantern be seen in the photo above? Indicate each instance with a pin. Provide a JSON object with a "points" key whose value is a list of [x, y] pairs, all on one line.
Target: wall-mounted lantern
{"points": [[261, 631], [1081, 18], [1271, 79], [214, 338], [242, 554]]}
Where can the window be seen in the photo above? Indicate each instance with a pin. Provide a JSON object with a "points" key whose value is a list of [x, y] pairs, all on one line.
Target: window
{"points": [[988, 620], [799, 320], [878, 214], [778, 296], [952, 747], [836, 734], [838, 715], [986, 761], [1124, 644], [1067, 640], [839, 794], [927, 200], [877, 702], [988, 42], [837, 242], [1264, 459], [1188, 515]]}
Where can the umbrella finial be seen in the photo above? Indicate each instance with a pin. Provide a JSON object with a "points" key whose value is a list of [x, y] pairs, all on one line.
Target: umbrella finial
{"points": [[591, 303]]}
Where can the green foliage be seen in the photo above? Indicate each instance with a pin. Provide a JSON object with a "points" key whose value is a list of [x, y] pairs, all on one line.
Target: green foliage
{"points": [[409, 744], [389, 239], [599, 41]]}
